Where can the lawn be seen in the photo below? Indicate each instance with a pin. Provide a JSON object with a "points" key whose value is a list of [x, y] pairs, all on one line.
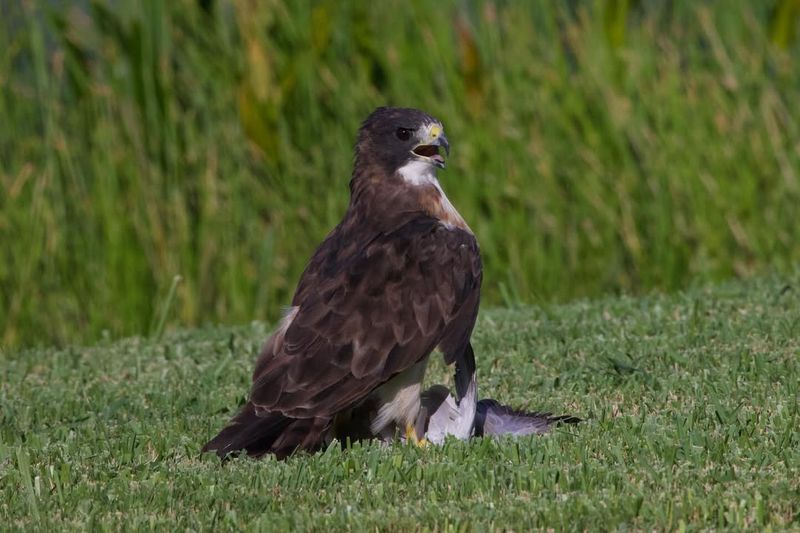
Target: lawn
{"points": [[690, 401]]}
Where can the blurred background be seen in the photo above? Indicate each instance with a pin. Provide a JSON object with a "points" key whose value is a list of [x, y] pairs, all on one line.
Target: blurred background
{"points": [[169, 164]]}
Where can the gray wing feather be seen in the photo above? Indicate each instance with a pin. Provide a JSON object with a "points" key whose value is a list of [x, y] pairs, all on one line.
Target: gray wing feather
{"points": [[494, 418]]}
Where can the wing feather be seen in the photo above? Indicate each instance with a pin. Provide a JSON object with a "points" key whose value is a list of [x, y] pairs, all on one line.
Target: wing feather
{"points": [[374, 311]]}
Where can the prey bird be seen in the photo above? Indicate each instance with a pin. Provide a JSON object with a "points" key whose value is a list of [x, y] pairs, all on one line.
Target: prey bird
{"points": [[441, 416], [398, 277]]}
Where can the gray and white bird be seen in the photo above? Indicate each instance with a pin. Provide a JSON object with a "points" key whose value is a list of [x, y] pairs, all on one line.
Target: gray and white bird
{"points": [[443, 416]]}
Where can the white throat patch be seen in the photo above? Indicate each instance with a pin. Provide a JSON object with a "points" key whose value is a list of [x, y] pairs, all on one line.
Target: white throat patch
{"points": [[418, 173]]}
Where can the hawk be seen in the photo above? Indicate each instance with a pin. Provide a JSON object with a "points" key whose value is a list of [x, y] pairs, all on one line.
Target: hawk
{"points": [[398, 277]]}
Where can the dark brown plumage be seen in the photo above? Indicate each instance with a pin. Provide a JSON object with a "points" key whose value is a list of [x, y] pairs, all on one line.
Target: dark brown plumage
{"points": [[397, 278]]}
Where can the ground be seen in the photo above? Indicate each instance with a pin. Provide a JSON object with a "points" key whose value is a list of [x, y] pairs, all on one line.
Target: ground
{"points": [[690, 401]]}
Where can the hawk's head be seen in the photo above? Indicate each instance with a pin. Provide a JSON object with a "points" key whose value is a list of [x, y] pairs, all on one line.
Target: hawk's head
{"points": [[401, 140]]}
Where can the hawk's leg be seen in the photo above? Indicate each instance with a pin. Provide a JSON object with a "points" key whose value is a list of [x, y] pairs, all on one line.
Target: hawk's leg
{"points": [[411, 436]]}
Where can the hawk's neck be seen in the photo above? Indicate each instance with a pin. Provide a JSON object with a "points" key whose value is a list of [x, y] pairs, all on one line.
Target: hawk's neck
{"points": [[383, 201], [420, 179]]}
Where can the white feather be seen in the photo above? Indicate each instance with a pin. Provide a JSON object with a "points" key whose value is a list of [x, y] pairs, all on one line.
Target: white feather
{"points": [[418, 173], [456, 419]]}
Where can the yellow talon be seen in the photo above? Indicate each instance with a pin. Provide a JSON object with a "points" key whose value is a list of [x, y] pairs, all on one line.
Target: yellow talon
{"points": [[411, 436]]}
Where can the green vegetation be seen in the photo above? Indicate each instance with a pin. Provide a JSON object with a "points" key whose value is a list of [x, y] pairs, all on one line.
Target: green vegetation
{"points": [[691, 401], [598, 146]]}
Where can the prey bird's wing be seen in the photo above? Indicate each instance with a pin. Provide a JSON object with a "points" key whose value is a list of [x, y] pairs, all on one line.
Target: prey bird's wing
{"points": [[494, 418], [366, 310]]}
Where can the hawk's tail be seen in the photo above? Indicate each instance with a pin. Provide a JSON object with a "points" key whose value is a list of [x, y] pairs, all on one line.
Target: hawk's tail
{"points": [[274, 433]]}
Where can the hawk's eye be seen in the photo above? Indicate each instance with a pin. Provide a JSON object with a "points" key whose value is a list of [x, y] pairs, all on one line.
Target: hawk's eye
{"points": [[403, 134]]}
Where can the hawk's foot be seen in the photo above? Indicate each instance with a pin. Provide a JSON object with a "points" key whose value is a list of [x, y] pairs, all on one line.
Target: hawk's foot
{"points": [[411, 436]]}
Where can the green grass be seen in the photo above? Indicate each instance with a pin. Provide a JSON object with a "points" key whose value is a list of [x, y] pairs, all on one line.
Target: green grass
{"points": [[691, 403], [597, 146]]}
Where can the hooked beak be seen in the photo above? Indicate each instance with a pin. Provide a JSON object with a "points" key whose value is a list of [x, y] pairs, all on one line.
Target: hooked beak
{"points": [[433, 138]]}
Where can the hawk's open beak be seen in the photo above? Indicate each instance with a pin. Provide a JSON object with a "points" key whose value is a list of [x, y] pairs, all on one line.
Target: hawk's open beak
{"points": [[428, 150]]}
